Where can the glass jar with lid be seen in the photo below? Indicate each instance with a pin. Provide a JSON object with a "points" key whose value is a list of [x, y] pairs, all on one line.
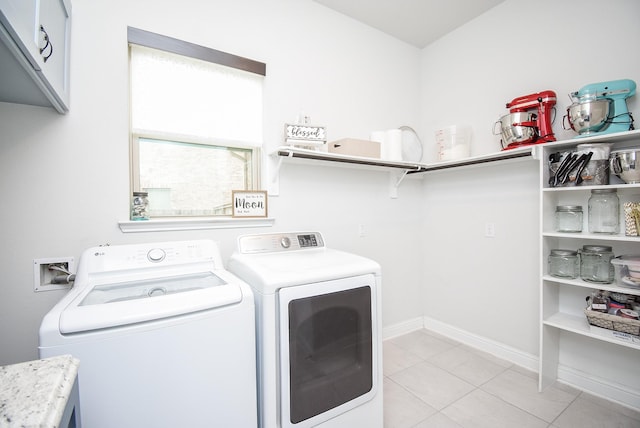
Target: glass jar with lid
{"points": [[140, 206], [564, 263], [604, 211], [595, 264], [568, 218]]}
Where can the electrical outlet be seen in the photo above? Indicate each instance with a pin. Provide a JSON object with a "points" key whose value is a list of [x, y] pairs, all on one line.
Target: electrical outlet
{"points": [[44, 270], [490, 230], [362, 232]]}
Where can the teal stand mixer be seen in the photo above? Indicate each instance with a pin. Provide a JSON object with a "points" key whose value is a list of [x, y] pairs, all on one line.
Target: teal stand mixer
{"points": [[601, 108]]}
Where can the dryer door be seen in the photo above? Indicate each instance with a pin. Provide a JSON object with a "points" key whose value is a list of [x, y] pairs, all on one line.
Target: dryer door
{"points": [[327, 349]]}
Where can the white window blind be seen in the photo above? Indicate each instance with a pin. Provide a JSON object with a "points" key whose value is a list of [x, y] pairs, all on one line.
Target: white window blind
{"points": [[178, 95]]}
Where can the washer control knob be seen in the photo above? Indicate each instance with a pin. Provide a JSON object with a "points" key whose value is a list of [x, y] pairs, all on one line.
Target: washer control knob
{"points": [[156, 255], [285, 242]]}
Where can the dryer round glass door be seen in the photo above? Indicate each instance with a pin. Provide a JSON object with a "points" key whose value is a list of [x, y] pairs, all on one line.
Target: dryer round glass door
{"points": [[327, 351]]}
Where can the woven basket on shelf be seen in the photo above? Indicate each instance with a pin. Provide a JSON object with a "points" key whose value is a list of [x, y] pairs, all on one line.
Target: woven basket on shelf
{"points": [[613, 322]]}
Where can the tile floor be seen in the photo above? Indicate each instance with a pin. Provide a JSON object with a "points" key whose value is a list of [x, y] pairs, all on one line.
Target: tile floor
{"points": [[433, 382]]}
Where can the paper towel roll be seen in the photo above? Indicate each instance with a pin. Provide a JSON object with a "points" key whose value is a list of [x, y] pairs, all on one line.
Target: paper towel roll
{"points": [[379, 136], [393, 145]]}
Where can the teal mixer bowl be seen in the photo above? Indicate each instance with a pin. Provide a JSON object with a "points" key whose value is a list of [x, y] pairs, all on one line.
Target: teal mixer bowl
{"points": [[588, 116]]}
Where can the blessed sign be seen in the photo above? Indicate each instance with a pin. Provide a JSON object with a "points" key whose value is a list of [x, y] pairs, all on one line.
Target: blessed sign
{"points": [[249, 203], [305, 134]]}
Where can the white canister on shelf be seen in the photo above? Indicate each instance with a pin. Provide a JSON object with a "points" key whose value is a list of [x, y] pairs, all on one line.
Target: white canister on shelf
{"points": [[390, 144], [393, 143]]}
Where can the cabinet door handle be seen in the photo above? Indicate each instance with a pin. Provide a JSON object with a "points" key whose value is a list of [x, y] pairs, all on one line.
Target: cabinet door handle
{"points": [[47, 45]]}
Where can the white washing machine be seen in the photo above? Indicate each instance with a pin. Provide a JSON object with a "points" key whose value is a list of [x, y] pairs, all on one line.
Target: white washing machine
{"points": [[319, 331], [164, 334]]}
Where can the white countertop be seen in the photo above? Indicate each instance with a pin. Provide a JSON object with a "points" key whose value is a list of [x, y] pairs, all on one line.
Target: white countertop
{"points": [[35, 393]]}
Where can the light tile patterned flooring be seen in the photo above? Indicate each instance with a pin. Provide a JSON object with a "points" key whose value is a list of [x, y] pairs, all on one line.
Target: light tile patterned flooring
{"points": [[433, 382]]}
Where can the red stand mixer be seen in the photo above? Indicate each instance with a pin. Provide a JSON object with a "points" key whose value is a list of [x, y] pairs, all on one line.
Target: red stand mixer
{"points": [[522, 127]]}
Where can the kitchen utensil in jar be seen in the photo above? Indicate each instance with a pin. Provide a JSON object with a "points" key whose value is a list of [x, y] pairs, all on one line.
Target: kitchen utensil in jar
{"points": [[596, 169], [563, 173], [559, 175], [556, 160], [584, 160], [568, 167]]}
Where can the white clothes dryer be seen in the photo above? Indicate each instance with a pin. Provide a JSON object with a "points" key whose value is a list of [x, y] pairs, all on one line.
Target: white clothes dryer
{"points": [[164, 334], [319, 331]]}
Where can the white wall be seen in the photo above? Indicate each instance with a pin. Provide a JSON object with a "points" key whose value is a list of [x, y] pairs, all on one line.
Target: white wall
{"points": [[522, 47], [484, 286], [488, 287], [64, 180]]}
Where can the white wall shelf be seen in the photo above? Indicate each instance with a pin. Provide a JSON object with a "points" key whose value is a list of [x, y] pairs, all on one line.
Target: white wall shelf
{"points": [[562, 301], [577, 324], [398, 170], [291, 152], [621, 140], [412, 167], [591, 286]]}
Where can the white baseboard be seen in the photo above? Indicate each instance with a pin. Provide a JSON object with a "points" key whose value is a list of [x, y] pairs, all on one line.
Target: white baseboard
{"points": [[402, 328], [582, 381], [492, 347], [600, 387]]}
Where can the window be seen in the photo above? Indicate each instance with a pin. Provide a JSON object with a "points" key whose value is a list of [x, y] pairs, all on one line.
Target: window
{"points": [[196, 125]]}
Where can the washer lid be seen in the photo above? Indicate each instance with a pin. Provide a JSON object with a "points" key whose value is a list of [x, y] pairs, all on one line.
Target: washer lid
{"points": [[115, 304], [149, 288]]}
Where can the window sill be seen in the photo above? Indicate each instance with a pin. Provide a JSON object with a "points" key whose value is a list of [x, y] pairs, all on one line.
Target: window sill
{"points": [[201, 223]]}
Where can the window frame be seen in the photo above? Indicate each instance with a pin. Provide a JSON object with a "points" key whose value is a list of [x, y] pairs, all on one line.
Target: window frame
{"points": [[148, 39], [136, 135]]}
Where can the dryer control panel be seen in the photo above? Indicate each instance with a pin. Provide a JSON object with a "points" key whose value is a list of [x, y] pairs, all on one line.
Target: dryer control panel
{"points": [[277, 242]]}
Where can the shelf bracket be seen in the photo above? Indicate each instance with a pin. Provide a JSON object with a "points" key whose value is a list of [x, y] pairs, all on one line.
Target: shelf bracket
{"points": [[274, 188], [395, 179]]}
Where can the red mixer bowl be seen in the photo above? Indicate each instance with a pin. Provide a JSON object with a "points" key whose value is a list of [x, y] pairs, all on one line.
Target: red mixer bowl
{"points": [[517, 129]]}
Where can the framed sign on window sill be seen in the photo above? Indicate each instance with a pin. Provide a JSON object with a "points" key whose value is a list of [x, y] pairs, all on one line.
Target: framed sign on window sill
{"points": [[249, 203]]}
